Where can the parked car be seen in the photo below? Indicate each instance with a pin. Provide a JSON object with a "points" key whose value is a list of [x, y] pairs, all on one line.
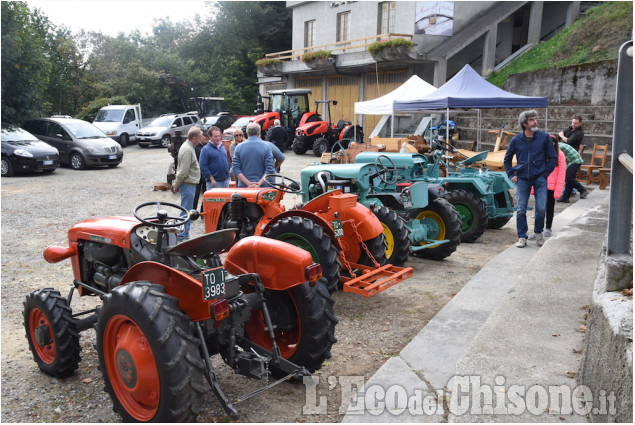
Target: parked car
{"points": [[23, 152], [161, 130], [239, 124], [80, 144], [222, 120]]}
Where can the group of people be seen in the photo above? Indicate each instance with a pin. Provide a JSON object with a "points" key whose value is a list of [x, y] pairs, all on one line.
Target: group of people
{"points": [[544, 166], [203, 161]]}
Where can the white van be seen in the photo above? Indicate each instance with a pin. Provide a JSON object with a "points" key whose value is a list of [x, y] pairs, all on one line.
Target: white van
{"points": [[119, 122]]}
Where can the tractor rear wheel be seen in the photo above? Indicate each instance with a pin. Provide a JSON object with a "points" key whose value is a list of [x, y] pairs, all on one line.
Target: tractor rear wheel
{"points": [[320, 146], [473, 213], [304, 323], [396, 233], [300, 145], [377, 248], [51, 332], [148, 355], [441, 216], [307, 235]]}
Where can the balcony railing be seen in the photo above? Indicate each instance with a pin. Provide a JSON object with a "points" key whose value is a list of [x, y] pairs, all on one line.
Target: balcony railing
{"points": [[356, 45]]}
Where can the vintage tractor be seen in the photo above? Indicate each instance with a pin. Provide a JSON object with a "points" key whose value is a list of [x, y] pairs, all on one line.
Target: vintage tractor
{"points": [[341, 234], [290, 106], [322, 136], [416, 219], [481, 197], [167, 307]]}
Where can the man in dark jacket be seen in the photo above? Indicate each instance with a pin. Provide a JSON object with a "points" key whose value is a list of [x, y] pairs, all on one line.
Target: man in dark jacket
{"points": [[536, 158], [573, 135], [278, 136]]}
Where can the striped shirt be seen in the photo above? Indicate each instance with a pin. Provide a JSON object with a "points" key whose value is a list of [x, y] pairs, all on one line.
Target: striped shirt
{"points": [[571, 155]]}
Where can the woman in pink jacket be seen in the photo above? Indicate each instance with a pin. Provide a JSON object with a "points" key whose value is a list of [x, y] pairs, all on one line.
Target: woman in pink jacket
{"points": [[555, 184]]}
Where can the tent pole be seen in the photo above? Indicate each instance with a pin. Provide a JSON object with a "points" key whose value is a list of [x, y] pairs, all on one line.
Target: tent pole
{"points": [[478, 133], [447, 126], [392, 124], [546, 120]]}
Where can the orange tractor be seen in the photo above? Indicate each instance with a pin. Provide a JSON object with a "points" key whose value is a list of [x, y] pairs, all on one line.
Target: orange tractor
{"points": [[167, 307], [342, 235]]}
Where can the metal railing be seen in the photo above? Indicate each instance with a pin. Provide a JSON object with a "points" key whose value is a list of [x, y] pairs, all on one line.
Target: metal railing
{"points": [[338, 47], [621, 191]]}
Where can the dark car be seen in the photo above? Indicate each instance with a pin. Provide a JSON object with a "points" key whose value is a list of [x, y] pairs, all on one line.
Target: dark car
{"points": [[23, 152], [222, 120], [79, 143]]}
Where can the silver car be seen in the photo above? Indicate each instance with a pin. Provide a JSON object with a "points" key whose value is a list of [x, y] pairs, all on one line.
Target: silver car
{"points": [[162, 129], [80, 144]]}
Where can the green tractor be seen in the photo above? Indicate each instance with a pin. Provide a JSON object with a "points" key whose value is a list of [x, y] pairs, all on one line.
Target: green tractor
{"points": [[415, 217], [481, 197]]}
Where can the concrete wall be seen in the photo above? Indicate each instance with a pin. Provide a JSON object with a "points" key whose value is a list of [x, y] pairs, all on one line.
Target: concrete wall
{"points": [[590, 83]]}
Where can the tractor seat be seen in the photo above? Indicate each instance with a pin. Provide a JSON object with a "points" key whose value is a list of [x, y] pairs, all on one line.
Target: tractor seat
{"points": [[214, 242], [341, 124]]}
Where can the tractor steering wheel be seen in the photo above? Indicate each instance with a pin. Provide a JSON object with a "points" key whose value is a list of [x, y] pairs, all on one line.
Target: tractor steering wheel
{"points": [[287, 185], [382, 170], [441, 144], [161, 217]]}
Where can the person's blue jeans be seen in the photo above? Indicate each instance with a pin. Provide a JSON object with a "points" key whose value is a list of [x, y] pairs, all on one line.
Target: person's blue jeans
{"points": [[523, 190], [187, 201], [208, 184]]}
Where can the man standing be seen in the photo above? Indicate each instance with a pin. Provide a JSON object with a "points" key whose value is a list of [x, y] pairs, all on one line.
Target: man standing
{"points": [[570, 179], [278, 136], [536, 158], [573, 135], [252, 159], [214, 161], [278, 156], [188, 174]]}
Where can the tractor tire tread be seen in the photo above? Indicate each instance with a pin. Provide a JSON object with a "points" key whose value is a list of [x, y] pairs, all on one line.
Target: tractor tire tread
{"points": [[452, 221], [477, 208], [397, 226]]}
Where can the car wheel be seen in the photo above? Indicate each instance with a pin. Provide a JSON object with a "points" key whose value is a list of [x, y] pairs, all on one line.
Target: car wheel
{"points": [[166, 140], [77, 161], [7, 168], [123, 141]]}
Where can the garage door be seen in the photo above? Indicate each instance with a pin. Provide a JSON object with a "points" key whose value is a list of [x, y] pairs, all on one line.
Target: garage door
{"points": [[344, 89], [313, 83], [378, 85]]}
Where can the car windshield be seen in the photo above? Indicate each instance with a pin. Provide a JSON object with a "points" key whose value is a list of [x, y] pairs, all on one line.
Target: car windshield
{"points": [[211, 120], [109, 115], [16, 134], [162, 122], [84, 130], [241, 122]]}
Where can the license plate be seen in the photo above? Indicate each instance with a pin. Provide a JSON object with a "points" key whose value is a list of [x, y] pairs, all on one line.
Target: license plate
{"points": [[407, 202], [48, 162], [112, 157], [338, 228], [213, 283]]}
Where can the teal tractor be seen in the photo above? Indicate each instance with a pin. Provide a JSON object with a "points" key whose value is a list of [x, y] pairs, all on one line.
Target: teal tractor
{"points": [[481, 197], [415, 217]]}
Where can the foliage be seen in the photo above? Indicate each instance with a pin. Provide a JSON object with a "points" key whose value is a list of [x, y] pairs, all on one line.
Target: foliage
{"points": [[318, 54], [89, 111], [378, 46], [267, 61], [595, 37]]}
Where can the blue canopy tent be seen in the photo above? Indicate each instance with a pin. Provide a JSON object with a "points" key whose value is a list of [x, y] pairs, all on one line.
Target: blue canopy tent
{"points": [[468, 90]]}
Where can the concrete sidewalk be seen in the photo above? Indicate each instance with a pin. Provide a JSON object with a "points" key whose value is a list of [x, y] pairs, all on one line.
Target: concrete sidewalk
{"points": [[518, 322]]}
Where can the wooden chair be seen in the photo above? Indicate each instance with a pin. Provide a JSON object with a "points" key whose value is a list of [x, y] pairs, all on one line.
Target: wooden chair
{"points": [[587, 172]]}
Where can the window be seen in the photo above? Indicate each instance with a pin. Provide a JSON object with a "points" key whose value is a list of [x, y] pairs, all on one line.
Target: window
{"points": [[187, 121], [343, 26], [129, 116], [309, 33], [386, 22]]}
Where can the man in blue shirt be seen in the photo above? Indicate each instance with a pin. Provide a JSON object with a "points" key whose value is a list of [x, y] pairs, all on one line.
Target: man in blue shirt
{"points": [[214, 161], [536, 158], [252, 159]]}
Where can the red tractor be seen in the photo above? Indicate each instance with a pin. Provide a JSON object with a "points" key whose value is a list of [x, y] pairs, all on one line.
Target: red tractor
{"points": [[342, 235], [167, 307], [290, 106], [322, 136]]}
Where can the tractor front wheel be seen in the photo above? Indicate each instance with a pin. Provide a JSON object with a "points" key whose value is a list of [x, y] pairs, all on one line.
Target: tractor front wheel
{"points": [[304, 323], [307, 235], [445, 223], [148, 355], [473, 213], [51, 332], [300, 145], [396, 233], [320, 146]]}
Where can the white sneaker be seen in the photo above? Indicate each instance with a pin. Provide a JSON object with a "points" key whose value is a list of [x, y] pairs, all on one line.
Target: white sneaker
{"points": [[531, 237], [547, 233], [540, 240], [522, 242]]}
